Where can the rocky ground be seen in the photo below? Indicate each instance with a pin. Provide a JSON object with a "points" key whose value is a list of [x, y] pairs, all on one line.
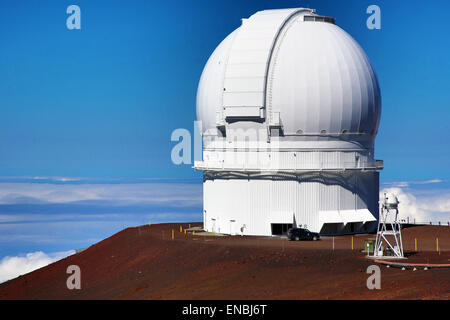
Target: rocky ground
{"points": [[145, 263]]}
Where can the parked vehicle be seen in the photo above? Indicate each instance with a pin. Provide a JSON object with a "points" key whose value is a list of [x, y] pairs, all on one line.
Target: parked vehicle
{"points": [[302, 234]]}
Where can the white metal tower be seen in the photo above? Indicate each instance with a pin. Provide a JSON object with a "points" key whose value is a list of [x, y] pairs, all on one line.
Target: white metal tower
{"points": [[389, 230]]}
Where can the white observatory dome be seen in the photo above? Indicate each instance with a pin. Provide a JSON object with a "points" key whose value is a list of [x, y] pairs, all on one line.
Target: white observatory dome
{"points": [[313, 74], [289, 107]]}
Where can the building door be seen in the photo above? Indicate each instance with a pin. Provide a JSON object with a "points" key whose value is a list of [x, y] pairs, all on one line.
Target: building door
{"points": [[232, 227], [279, 229]]}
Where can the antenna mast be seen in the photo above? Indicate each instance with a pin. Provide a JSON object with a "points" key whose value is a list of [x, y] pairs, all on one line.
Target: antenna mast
{"points": [[389, 231]]}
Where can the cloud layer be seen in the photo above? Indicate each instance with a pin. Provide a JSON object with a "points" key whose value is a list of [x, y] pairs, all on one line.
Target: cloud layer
{"points": [[12, 267], [130, 193], [61, 214], [421, 201]]}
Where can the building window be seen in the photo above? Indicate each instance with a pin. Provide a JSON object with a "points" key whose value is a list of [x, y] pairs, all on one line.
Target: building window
{"points": [[319, 19]]}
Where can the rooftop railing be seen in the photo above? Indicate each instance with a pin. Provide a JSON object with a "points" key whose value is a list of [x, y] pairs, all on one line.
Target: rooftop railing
{"points": [[278, 165]]}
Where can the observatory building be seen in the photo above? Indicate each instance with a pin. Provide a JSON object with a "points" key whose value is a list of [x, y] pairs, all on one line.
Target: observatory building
{"points": [[289, 106]]}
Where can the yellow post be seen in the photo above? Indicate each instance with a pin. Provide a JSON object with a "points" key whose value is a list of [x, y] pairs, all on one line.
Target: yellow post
{"points": [[193, 233], [173, 234], [415, 244], [333, 243], [352, 242], [184, 231], [189, 225], [437, 244], [181, 229]]}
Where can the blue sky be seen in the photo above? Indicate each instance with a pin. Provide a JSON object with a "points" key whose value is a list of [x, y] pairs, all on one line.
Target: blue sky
{"points": [[89, 113], [102, 101]]}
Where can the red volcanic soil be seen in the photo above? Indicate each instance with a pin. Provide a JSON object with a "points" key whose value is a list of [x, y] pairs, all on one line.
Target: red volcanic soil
{"points": [[145, 263]]}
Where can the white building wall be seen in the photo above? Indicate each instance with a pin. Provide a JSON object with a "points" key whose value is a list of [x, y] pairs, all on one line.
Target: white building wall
{"points": [[250, 206]]}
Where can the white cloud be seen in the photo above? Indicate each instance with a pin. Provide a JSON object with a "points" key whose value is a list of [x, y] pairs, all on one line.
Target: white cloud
{"points": [[62, 179], [12, 267], [405, 184], [145, 193], [433, 205], [430, 181]]}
